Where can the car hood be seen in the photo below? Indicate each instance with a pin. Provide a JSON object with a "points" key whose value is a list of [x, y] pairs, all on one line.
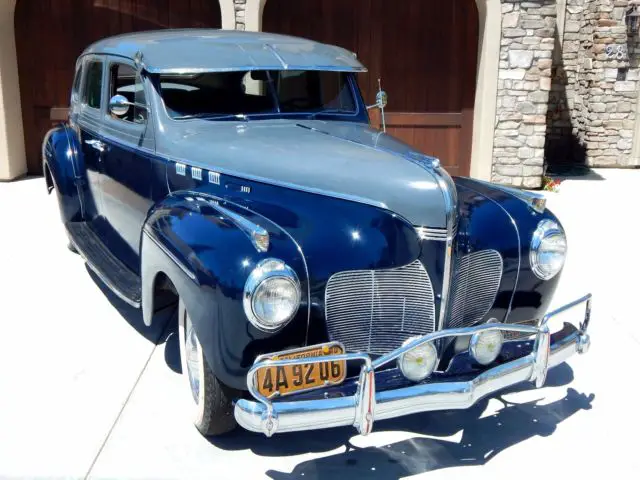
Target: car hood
{"points": [[339, 159]]}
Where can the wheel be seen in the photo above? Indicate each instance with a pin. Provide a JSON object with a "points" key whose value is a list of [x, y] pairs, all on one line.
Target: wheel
{"points": [[211, 399]]}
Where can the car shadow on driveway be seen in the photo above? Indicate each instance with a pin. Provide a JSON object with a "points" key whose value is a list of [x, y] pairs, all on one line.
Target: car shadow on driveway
{"points": [[133, 316], [482, 438]]}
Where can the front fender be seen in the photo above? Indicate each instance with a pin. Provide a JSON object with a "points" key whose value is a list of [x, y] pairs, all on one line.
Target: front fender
{"points": [[531, 296], [59, 157], [208, 257]]}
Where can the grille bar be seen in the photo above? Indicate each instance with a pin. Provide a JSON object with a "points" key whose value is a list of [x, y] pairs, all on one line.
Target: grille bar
{"points": [[375, 311], [474, 288]]}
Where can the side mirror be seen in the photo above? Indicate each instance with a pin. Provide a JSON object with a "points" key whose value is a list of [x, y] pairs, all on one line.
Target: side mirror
{"points": [[119, 105]]}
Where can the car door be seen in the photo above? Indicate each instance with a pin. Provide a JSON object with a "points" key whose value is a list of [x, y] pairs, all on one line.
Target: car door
{"points": [[85, 118], [126, 163]]}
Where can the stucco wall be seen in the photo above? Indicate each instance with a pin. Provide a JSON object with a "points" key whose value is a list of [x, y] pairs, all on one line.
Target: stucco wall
{"points": [[12, 156]]}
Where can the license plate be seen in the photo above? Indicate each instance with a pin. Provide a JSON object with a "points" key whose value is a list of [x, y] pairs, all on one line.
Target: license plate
{"points": [[285, 380]]}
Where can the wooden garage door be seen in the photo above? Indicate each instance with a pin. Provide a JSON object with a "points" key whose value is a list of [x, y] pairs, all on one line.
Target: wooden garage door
{"points": [[425, 52], [50, 34]]}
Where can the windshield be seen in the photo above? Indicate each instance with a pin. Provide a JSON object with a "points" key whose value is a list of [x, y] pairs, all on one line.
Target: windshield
{"points": [[242, 94]]}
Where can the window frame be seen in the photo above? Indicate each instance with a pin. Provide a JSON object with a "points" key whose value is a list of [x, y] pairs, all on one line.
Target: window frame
{"points": [[83, 99], [360, 113], [121, 61]]}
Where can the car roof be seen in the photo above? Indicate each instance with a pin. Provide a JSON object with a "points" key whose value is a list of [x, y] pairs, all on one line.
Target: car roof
{"points": [[210, 50]]}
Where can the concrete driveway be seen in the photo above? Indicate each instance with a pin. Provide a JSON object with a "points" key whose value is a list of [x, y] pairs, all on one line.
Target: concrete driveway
{"points": [[86, 390]]}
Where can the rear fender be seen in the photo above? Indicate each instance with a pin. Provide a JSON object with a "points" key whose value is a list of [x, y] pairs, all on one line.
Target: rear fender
{"points": [[196, 241], [63, 172]]}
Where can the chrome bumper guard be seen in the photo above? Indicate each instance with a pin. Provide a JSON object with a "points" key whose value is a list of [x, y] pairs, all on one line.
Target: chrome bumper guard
{"points": [[366, 405]]}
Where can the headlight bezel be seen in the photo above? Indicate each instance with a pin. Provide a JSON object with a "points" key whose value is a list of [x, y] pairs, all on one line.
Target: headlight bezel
{"points": [[545, 230], [265, 271]]}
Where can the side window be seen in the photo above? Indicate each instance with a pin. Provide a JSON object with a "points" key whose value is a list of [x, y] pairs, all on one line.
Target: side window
{"points": [[93, 84], [75, 90], [125, 81]]}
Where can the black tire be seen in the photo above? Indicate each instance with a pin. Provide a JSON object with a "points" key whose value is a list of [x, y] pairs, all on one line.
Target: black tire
{"points": [[213, 410]]}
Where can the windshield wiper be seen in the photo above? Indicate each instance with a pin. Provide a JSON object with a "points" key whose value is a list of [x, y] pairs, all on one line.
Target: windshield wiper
{"points": [[213, 116]]}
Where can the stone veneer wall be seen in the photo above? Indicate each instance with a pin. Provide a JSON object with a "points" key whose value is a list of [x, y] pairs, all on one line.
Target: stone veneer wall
{"points": [[524, 82], [240, 7], [601, 82]]}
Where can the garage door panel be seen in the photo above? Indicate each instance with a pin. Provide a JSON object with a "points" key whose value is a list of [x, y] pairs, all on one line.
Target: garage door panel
{"points": [[51, 34], [425, 52]]}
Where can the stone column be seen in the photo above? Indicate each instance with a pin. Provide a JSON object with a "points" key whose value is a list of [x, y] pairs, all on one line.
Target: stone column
{"points": [[240, 7], [524, 81], [13, 161]]}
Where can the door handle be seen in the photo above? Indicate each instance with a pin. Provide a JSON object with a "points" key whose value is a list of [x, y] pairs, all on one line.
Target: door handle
{"points": [[97, 144]]}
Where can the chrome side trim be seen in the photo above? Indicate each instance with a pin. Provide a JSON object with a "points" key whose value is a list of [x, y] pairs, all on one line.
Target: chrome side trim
{"points": [[293, 186], [366, 406], [435, 234], [173, 258], [254, 231], [448, 189]]}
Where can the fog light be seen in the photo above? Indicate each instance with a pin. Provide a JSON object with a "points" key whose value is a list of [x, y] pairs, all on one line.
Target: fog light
{"points": [[485, 346], [419, 362]]}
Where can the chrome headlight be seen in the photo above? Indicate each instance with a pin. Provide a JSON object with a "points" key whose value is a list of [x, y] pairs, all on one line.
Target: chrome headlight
{"points": [[548, 250], [271, 295]]}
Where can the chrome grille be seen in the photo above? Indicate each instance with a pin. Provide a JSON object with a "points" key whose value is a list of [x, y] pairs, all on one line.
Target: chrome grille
{"points": [[474, 287], [375, 311]]}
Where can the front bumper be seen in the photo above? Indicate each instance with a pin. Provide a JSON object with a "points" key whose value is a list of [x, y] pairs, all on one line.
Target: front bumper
{"points": [[367, 405]]}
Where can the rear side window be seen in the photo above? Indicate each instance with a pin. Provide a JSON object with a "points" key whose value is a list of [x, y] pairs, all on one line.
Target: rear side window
{"points": [[93, 84], [76, 83]]}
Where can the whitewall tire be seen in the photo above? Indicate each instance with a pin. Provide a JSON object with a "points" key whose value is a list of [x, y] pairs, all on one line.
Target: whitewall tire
{"points": [[211, 400]]}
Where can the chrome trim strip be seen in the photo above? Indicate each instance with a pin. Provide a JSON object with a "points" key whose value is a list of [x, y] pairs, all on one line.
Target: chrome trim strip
{"points": [[366, 406], [182, 267], [301, 188], [448, 188], [249, 68], [436, 234], [252, 230]]}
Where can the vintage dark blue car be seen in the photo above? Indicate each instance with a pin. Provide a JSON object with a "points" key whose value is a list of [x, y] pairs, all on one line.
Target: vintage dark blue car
{"points": [[323, 273]]}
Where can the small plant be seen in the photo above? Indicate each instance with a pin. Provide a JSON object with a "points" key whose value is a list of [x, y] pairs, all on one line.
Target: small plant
{"points": [[550, 184]]}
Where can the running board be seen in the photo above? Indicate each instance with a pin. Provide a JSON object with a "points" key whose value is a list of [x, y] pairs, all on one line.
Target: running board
{"points": [[115, 275]]}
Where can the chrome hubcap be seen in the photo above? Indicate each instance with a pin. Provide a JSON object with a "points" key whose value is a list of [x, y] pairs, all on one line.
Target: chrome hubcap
{"points": [[193, 359]]}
